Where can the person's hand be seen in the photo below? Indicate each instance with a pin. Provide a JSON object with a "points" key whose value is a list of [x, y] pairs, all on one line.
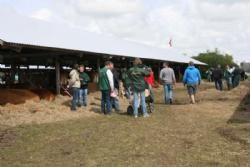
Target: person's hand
{"points": [[174, 85], [67, 86]]}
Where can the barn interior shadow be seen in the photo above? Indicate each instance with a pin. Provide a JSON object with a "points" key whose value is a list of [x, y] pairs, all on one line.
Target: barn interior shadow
{"points": [[242, 113]]}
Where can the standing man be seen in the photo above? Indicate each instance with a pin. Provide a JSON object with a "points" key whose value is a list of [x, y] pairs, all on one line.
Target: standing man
{"points": [[168, 77], [138, 86], [83, 92], [106, 85], [192, 78], [74, 84], [218, 77]]}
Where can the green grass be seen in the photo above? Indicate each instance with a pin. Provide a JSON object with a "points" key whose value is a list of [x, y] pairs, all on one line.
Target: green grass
{"points": [[181, 135]]}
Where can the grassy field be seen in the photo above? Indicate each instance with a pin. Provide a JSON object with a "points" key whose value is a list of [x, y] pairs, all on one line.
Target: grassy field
{"points": [[215, 132]]}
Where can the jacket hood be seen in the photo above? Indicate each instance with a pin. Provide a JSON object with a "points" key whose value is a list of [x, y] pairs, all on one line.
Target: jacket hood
{"points": [[140, 65], [191, 67]]}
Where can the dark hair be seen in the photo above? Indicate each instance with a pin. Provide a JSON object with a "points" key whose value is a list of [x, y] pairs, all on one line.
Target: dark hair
{"points": [[137, 61], [81, 65], [165, 64], [191, 63], [108, 63], [75, 66]]}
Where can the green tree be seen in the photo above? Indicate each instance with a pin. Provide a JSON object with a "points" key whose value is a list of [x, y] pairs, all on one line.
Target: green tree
{"points": [[213, 58]]}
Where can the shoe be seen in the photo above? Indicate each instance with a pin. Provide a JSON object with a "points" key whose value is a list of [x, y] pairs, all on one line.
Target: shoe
{"points": [[135, 116], [108, 113], [73, 109], [117, 111], [170, 101], [145, 116]]}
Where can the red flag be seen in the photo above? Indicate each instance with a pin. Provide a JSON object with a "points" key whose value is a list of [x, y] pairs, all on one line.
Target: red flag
{"points": [[170, 42]]}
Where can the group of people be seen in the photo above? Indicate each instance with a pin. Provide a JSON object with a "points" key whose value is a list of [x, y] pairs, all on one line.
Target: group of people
{"points": [[78, 83], [136, 81], [232, 75]]}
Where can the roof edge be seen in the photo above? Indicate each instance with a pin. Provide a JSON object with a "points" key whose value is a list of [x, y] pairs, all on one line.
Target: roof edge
{"points": [[1, 42]]}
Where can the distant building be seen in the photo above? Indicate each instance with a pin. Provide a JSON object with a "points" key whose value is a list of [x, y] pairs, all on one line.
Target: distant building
{"points": [[245, 66]]}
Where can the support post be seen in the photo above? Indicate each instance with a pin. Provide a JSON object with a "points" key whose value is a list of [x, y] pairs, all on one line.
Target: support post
{"points": [[159, 70], [57, 67], [98, 64], [98, 69]]}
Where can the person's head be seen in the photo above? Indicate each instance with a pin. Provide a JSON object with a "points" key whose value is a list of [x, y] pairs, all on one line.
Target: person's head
{"points": [[109, 65], [165, 64], [191, 63], [75, 66], [137, 61], [81, 68], [218, 66]]}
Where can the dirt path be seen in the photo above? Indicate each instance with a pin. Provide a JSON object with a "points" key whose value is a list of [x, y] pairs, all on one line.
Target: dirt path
{"points": [[215, 132]]}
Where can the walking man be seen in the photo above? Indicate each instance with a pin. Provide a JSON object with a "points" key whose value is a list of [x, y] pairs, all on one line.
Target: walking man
{"points": [[106, 85], [138, 86], [83, 92], [74, 84], [229, 77], [192, 78], [218, 77], [168, 77]]}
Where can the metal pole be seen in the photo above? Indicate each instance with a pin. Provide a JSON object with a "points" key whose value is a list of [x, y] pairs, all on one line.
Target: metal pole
{"points": [[58, 86]]}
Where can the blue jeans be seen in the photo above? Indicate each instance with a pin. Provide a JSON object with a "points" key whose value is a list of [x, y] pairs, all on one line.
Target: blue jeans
{"points": [[115, 103], [229, 83], [75, 92], [83, 96], [168, 92], [139, 97], [106, 102]]}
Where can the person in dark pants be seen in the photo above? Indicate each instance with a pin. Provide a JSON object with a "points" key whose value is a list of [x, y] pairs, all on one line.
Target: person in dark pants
{"points": [[106, 85], [236, 77], [229, 77], [83, 92], [218, 77], [74, 84]]}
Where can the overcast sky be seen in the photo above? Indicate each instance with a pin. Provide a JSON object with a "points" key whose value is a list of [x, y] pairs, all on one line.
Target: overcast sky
{"points": [[194, 25]]}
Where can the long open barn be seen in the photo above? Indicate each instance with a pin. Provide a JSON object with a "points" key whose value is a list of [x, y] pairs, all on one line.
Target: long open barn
{"points": [[40, 54]]}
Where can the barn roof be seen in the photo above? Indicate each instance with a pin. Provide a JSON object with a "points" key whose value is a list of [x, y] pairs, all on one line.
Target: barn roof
{"points": [[21, 30]]}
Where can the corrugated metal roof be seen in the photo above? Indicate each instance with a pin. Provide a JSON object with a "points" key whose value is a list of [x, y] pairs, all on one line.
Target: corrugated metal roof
{"points": [[24, 30]]}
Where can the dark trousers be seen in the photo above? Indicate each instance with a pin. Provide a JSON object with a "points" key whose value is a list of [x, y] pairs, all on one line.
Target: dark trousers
{"points": [[75, 93], [218, 84], [106, 102]]}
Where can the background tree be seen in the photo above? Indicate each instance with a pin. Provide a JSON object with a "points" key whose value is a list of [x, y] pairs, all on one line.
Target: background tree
{"points": [[213, 58]]}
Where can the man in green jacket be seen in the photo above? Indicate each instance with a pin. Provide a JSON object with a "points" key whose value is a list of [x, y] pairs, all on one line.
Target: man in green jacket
{"points": [[106, 85], [138, 86], [83, 92]]}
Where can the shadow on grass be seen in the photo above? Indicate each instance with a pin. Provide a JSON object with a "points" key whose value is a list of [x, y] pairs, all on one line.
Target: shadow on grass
{"points": [[242, 113]]}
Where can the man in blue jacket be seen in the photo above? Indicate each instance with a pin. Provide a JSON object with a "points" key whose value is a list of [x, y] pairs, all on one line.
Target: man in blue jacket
{"points": [[192, 78]]}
